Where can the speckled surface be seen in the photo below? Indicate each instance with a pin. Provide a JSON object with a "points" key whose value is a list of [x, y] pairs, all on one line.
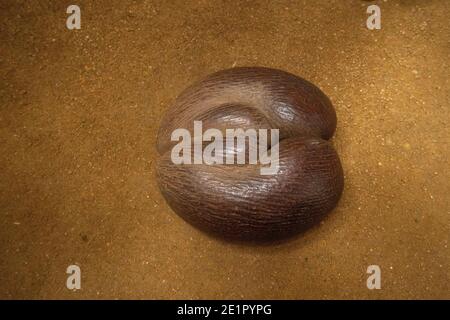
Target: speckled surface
{"points": [[78, 121]]}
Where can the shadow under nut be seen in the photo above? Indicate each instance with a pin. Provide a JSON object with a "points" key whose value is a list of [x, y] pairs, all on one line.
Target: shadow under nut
{"points": [[236, 201]]}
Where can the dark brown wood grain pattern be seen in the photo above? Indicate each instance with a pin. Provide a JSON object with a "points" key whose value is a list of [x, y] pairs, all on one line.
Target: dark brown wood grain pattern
{"points": [[236, 201]]}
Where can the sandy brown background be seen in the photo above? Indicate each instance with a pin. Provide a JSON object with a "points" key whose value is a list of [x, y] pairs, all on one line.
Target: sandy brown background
{"points": [[78, 121]]}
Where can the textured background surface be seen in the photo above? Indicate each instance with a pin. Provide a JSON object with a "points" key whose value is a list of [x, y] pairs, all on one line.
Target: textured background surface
{"points": [[80, 111]]}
